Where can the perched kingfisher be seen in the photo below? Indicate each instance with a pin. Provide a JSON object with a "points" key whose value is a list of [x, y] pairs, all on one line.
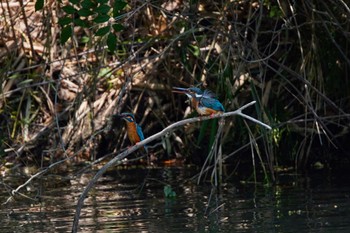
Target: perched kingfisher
{"points": [[134, 131], [204, 102]]}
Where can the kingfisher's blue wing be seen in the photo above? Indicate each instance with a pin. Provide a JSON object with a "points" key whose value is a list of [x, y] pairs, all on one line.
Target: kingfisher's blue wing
{"points": [[212, 103], [139, 132], [209, 94]]}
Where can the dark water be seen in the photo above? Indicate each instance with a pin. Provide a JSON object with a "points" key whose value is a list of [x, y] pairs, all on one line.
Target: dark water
{"points": [[133, 200]]}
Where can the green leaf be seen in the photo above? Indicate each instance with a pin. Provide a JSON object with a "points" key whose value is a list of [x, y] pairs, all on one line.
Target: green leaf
{"points": [[66, 33], [25, 82], [118, 27], [85, 39], [103, 9], [85, 12], [275, 12], [105, 72], [75, 2], [69, 9], [39, 5], [87, 4], [81, 23], [101, 19], [102, 31], [118, 6], [102, 1], [64, 21], [194, 50], [111, 42]]}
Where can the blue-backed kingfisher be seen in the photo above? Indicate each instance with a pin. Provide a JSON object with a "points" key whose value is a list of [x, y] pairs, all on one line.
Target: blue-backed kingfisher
{"points": [[204, 102], [133, 130]]}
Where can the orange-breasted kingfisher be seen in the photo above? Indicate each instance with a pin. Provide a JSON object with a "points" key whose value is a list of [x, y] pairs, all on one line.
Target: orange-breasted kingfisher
{"points": [[133, 130], [204, 102]]}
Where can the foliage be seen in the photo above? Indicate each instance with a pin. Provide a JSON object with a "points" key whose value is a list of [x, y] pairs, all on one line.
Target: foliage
{"points": [[91, 13], [60, 86]]}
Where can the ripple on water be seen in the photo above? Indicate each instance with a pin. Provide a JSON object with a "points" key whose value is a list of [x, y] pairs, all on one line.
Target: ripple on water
{"points": [[133, 201]]}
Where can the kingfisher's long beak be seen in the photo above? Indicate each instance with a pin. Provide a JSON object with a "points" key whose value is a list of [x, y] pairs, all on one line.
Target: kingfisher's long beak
{"points": [[180, 90], [183, 91]]}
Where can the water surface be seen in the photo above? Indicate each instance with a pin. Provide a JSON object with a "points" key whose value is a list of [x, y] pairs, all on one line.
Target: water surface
{"points": [[133, 200]]}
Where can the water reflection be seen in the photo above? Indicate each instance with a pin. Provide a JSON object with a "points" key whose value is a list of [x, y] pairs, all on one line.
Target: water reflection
{"points": [[133, 200]]}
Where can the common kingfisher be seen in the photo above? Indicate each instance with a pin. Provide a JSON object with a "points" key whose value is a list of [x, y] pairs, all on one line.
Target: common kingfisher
{"points": [[204, 102], [134, 131]]}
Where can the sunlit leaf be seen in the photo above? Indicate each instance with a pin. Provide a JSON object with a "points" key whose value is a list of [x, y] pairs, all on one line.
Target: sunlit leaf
{"points": [[194, 50], [69, 9], [102, 31], [103, 9], [23, 83], [111, 42], [66, 33], [105, 72], [39, 4], [85, 39], [101, 19]]}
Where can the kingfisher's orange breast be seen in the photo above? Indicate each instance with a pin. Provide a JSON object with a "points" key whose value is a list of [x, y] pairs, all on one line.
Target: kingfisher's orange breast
{"points": [[209, 111], [132, 132], [205, 111], [194, 103]]}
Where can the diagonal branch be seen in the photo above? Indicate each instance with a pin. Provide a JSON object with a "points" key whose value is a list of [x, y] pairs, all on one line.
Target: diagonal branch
{"points": [[141, 144]]}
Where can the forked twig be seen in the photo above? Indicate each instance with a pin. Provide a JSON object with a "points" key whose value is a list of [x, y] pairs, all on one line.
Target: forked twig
{"points": [[141, 144]]}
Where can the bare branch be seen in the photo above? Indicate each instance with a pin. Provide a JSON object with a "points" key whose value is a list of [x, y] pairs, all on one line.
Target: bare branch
{"points": [[141, 144]]}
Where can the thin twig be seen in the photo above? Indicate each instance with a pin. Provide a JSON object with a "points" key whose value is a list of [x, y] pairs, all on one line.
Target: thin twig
{"points": [[36, 175]]}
